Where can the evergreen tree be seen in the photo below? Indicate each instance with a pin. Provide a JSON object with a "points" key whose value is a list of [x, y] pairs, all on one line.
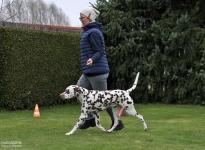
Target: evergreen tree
{"points": [[162, 39]]}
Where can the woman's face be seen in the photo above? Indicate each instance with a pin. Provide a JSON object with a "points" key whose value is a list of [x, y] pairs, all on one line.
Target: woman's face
{"points": [[85, 20]]}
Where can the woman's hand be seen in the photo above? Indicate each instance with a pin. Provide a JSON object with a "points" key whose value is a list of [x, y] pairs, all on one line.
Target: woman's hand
{"points": [[89, 62]]}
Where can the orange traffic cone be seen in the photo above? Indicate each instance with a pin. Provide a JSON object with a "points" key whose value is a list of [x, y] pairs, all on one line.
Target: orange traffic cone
{"points": [[36, 112]]}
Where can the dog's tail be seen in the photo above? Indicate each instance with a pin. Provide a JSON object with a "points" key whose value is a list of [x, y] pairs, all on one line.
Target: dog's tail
{"points": [[134, 85]]}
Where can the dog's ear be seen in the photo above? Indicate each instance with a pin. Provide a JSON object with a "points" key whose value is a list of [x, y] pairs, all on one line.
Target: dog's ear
{"points": [[77, 90]]}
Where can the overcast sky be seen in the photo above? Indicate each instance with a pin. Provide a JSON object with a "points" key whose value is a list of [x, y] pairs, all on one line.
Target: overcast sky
{"points": [[72, 8]]}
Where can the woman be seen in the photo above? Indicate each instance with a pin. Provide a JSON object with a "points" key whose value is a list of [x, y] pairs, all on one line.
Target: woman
{"points": [[94, 64]]}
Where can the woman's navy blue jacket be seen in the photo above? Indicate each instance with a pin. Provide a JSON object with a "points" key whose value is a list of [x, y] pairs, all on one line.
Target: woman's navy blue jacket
{"points": [[92, 46]]}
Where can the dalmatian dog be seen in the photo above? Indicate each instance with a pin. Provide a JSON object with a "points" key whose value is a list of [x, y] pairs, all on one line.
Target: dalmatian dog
{"points": [[96, 101]]}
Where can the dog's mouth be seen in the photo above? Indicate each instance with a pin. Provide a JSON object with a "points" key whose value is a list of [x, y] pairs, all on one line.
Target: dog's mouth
{"points": [[64, 95], [67, 96]]}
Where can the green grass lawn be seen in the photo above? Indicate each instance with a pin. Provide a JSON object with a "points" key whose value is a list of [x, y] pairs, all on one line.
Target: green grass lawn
{"points": [[170, 127]]}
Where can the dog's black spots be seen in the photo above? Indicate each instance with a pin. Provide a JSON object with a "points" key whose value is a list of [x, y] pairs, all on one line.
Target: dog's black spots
{"points": [[96, 109], [83, 119], [89, 102], [129, 102], [101, 96], [99, 100], [96, 101], [121, 95], [99, 105], [110, 100], [88, 95], [121, 100], [94, 92], [106, 103]]}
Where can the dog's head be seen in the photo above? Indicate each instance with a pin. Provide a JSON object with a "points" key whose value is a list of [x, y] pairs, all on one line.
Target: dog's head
{"points": [[71, 91]]}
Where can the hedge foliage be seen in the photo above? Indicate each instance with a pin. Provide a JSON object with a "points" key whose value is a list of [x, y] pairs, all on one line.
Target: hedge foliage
{"points": [[36, 66], [164, 40]]}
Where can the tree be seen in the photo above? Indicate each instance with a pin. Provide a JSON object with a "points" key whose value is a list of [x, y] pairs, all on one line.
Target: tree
{"points": [[32, 11], [163, 40], [9, 10]]}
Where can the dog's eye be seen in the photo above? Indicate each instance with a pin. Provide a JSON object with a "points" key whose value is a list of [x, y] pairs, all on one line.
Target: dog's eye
{"points": [[67, 92]]}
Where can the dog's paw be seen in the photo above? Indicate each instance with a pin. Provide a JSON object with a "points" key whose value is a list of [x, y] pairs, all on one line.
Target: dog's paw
{"points": [[145, 127], [109, 131], [69, 133]]}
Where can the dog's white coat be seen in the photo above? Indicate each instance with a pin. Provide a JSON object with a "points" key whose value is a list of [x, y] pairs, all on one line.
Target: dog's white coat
{"points": [[95, 101]]}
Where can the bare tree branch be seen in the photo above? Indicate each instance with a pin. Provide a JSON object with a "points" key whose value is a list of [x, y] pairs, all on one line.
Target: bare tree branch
{"points": [[8, 4], [1, 6], [32, 11], [15, 12]]}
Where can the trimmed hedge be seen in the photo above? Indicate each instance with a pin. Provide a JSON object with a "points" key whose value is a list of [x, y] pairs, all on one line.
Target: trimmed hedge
{"points": [[36, 66]]}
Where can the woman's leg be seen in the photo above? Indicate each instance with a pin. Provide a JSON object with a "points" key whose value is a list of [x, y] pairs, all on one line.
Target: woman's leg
{"points": [[100, 83], [85, 83]]}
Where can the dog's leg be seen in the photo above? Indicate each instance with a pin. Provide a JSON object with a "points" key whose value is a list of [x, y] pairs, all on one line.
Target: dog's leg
{"points": [[97, 121], [115, 111], [82, 118], [131, 110]]}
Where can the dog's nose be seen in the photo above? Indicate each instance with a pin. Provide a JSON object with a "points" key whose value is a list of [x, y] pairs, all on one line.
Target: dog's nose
{"points": [[62, 96]]}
